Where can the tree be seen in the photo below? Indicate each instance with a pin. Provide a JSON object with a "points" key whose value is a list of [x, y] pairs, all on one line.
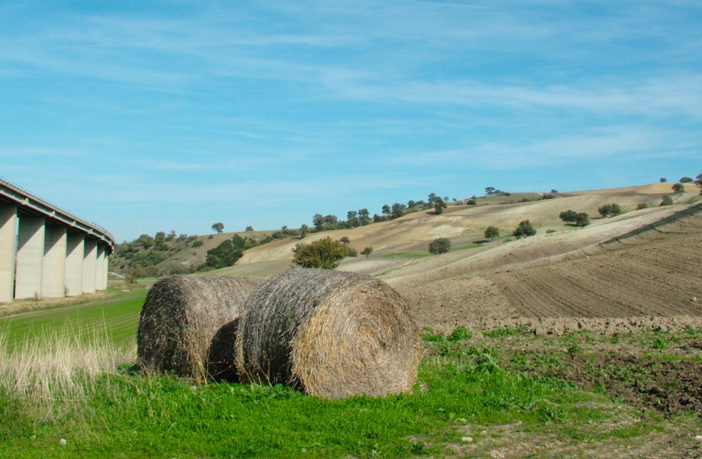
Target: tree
{"points": [[325, 253], [218, 227], [440, 245], [491, 232], [489, 190], [318, 221], [610, 210], [398, 210], [249, 228], [330, 220], [367, 251], [386, 210], [345, 240], [554, 191], [568, 215], [525, 229], [431, 198], [663, 179], [582, 219], [226, 254], [303, 231], [471, 202], [698, 181], [678, 188], [685, 179], [439, 206]]}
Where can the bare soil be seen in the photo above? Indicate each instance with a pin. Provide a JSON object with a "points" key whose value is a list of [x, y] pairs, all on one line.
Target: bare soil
{"points": [[647, 276]]}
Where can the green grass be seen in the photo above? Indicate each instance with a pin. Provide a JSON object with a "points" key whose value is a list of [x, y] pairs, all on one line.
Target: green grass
{"points": [[161, 416], [118, 318], [464, 387]]}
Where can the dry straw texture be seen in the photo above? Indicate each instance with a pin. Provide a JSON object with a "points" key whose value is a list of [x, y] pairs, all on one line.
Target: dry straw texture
{"points": [[180, 318], [334, 334]]}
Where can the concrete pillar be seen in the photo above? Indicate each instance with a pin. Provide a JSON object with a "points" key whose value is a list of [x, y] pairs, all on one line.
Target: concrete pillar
{"points": [[74, 264], [8, 242], [53, 277], [89, 263], [105, 268], [100, 283], [30, 254]]}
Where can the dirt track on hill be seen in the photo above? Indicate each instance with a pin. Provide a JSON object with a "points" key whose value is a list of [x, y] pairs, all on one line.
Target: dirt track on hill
{"points": [[652, 278]]}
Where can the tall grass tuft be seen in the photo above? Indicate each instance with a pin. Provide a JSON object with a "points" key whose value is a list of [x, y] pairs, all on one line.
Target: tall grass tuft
{"points": [[52, 369]]}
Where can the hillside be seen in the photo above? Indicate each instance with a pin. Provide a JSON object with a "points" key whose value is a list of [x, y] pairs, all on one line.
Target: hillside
{"points": [[397, 242], [464, 224], [641, 267]]}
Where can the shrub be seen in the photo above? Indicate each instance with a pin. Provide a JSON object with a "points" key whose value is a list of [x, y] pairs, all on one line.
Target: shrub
{"points": [[667, 200], [197, 243], [439, 206], [491, 232], [226, 254], [663, 179], [685, 179], [345, 240], [440, 245], [698, 182], [641, 205], [582, 219], [351, 252], [471, 202], [678, 188], [548, 196], [459, 334], [325, 254], [367, 251], [610, 210], [249, 228], [568, 215], [525, 229]]}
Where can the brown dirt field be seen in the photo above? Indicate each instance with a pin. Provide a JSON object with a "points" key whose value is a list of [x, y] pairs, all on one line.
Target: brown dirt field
{"points": [[590, 278]]}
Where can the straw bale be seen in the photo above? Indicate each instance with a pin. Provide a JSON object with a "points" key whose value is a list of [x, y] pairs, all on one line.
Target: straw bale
{"points": [[180, 318], [333, 334]]}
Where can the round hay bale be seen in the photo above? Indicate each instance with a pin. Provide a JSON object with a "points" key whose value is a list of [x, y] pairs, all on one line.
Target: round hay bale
{"points": [[180, 318], [333, 334]]}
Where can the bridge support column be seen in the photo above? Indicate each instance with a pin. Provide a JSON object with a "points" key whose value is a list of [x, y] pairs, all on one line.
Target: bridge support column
{"points": [[8, 240], [30, 255], [74, 264], [53, 276], [100, 279], [89, 263]]}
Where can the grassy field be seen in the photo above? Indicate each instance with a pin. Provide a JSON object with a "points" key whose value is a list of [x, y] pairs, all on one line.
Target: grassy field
{"points": [[499, 393], [117, 318]]}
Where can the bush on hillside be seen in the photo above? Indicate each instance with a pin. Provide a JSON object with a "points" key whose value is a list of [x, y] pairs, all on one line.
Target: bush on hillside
{"points": [[568, 215], [582, 219], [678, 188], [324, 254], [197, 244], [491, 232], [440, 245], [667, 201], [225, 254], [367, 251], [641, 205], [610, 210], [525, 229], [685, 179]]}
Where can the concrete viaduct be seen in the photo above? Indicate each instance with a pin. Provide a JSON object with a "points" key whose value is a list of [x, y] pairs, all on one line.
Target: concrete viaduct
{"points": [[46, 252]]}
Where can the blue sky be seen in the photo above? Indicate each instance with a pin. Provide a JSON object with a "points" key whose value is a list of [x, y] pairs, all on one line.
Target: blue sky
{"points": [[150, 116]]}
